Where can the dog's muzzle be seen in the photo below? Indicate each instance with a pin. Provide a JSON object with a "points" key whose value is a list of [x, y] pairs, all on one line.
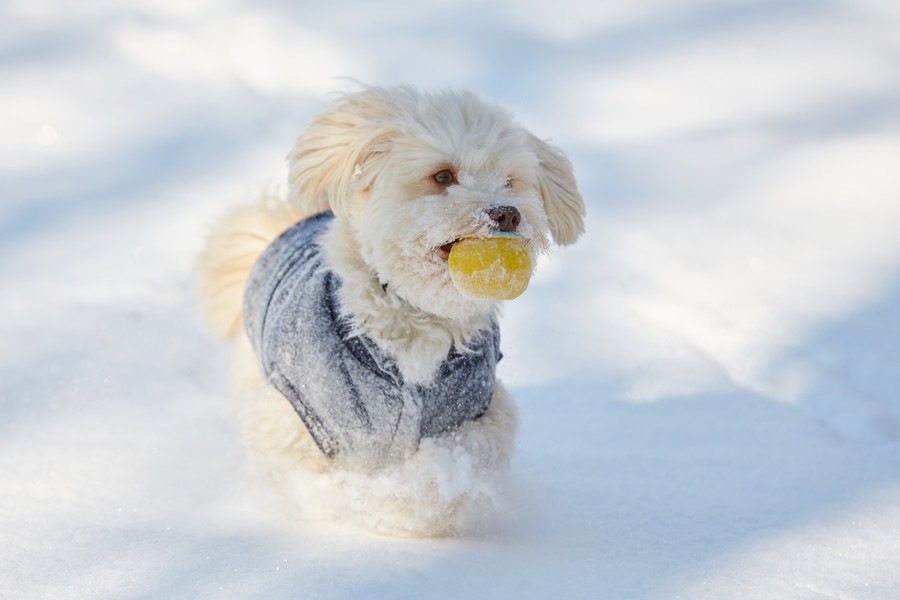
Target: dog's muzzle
{"points": [[505, 219]]}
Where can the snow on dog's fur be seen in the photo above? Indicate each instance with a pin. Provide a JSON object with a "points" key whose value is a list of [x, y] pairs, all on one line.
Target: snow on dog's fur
{"points": [[406, 174]]}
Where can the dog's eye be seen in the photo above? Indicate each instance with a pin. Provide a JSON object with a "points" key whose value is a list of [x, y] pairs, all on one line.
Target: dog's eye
{"points": [[444, 177], [509, 183]]}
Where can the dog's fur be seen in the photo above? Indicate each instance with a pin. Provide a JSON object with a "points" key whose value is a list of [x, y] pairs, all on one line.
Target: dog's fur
{"points": [[371, 159]]}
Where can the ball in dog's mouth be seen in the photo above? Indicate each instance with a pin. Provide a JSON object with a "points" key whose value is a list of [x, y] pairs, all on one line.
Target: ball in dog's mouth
{"points": [[496, 267]]}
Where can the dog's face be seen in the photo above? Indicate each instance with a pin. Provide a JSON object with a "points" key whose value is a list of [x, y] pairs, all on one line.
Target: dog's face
{"points": [[413, 173]]}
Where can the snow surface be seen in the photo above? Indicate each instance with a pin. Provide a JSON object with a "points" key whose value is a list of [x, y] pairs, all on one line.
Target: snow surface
{"points": [[708, 381]]}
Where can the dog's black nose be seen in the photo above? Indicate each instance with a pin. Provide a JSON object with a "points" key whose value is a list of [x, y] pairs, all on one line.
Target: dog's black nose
{"points": [[505, 218]]}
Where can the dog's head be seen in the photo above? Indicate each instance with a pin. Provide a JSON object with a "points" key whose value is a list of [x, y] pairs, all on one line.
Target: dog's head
{"points": [[414, 172]]}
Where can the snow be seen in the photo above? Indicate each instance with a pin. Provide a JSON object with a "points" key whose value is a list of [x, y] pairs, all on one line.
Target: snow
{"points": [[707, 380]]}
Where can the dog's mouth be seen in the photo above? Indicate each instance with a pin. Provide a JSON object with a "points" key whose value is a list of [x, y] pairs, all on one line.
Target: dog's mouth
{"points": [[443, 252]]}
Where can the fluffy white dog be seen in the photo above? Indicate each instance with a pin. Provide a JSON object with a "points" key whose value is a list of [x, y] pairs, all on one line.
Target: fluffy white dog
{"points": [[363, 378]]}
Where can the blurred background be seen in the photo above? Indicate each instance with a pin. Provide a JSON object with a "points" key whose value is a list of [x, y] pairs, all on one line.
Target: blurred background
{"points": [[739, 161]]}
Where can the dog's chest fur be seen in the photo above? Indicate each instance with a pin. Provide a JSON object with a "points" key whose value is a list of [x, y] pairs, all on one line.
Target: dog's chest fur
{"points": [[352, 395]]}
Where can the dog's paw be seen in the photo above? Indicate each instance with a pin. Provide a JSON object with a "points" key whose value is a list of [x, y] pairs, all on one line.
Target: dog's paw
{"points": [[451, 485]]}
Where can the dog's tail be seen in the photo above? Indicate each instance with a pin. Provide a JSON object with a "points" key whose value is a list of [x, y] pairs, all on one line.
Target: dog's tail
{"points": [[233, 246]]}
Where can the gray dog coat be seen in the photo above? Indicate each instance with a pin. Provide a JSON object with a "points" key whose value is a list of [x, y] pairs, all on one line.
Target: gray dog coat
{"points": [[350, 393]]}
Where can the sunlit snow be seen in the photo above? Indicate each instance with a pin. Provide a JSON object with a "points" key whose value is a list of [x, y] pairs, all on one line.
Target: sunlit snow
{"points": [[708, 381]]}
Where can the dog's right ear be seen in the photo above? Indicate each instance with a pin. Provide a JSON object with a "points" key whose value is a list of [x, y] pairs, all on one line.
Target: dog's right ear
{"points": [[329, 157]]}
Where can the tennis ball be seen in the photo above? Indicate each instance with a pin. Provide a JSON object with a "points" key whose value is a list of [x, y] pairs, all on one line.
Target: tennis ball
{"points": [[496, 267]]}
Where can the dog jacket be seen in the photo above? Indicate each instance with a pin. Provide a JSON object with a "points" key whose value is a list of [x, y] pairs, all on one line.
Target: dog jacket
{"points": [[348, 391]]}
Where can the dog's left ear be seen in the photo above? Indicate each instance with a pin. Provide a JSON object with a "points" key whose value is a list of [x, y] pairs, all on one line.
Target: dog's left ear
{"points": [[328, 157], [556, 185]]}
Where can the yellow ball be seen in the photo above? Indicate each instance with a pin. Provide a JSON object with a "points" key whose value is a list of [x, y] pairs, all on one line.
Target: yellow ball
{"points": [[497, 267]]}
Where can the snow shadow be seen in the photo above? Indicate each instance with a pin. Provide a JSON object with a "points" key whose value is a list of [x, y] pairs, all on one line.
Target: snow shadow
{"points": [[646, 496], [853, 377]]}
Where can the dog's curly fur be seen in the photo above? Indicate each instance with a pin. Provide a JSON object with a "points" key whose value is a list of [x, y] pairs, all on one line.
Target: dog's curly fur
{"points": [[371, 159]]}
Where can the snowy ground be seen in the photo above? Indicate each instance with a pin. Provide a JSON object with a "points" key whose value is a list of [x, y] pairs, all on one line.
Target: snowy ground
{"points": [[708, 382]]}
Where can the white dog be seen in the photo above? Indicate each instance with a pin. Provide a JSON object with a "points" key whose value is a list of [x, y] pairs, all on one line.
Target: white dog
{"points": [[363, 377]]}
